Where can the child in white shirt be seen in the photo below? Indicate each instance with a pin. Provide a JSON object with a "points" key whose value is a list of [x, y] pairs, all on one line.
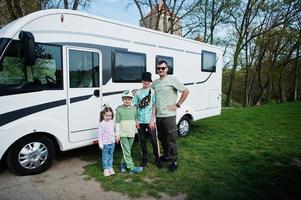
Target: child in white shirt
{"points": [[106, 140]]}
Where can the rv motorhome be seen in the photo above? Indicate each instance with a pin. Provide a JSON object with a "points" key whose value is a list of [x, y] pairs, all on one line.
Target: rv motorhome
{"points": [[59, 68]]}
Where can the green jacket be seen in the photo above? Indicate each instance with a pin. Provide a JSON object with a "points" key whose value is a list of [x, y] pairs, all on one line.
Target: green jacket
{"points": [[126, 118]]}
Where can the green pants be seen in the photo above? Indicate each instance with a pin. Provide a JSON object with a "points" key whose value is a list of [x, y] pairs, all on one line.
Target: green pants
{"points": [[126, 146]]}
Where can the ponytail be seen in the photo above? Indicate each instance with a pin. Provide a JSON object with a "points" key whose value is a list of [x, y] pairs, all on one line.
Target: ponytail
{"points": [[102, 113]]}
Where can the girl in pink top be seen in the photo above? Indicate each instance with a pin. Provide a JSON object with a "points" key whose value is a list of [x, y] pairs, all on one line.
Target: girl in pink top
{"points": [[106, 140]]}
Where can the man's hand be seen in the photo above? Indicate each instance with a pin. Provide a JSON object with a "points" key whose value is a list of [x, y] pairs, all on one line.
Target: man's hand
{"points": [[172, 107]]}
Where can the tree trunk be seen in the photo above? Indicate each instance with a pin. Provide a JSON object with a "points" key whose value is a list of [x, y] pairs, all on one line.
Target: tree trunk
{"points": [[205, 21], [296, 74], [233, 72], [66, 6], [141, 14], [11, 10], [282, 97], [270, 89], [251, 89], [212, 22], [261, 94], [15, 9], [75, 5], [246, 93], [274, 92], [232, 76], [251, 85]]}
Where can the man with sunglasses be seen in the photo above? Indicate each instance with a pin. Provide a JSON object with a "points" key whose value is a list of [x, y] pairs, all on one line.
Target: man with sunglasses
{"points": [[166, 89]]}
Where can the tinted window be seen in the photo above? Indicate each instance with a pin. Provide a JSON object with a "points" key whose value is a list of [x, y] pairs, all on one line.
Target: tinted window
{"points": [[46, 74], [169, 61], [128, 66], [106, 64], [83, 69], [208, 61]]}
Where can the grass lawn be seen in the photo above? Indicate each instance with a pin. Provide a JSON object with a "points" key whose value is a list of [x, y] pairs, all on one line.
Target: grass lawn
{"points": [[250, 153]]}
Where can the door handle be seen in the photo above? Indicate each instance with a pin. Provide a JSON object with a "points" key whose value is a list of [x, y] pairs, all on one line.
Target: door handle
{"points": [[96, 93]]}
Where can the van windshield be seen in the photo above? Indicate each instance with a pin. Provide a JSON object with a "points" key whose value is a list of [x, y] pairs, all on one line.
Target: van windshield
{"points": [[16, 78]]}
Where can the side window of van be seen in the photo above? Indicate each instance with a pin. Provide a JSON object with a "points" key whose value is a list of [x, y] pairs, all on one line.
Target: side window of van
{"points": [[128, 66], [46, 74], [208, 61], [83, 69], [169, 61]]}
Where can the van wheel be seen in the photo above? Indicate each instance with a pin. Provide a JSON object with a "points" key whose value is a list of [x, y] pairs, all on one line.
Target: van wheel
{"points": [[184, 126], [31, 155]]}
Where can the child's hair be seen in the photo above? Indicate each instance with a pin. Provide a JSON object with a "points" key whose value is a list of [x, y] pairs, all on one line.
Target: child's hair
{"points": [[106, 109]]}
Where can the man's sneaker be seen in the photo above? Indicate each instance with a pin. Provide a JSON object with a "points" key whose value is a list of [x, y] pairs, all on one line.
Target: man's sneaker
{"points": [[111, 171], [136, 170], [164, 159], [106, 172], [158, 163], [173, 166], [122, 168]]}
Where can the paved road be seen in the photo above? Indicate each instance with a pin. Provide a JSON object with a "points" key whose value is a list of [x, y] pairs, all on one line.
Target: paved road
{"points": [[63, 181]]}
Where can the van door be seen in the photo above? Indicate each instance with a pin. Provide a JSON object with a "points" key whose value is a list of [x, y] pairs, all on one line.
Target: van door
{"points": [[84, 92], [214, 100]]}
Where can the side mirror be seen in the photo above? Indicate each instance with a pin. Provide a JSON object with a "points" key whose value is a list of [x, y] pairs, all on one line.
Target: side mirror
{"points": [[29, 47]]}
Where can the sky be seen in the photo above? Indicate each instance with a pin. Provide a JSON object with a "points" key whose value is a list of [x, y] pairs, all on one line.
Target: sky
{"points": [[116, 10]]}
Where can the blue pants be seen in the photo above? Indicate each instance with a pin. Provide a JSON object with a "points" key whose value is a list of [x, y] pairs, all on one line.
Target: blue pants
{"points": [[107, 156]]}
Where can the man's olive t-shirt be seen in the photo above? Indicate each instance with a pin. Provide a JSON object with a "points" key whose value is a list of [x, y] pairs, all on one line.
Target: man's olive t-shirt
{"points": [[166, 94]]}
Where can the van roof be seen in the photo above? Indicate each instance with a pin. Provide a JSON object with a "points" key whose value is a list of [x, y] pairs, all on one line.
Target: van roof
{"points": [[14, 27]]}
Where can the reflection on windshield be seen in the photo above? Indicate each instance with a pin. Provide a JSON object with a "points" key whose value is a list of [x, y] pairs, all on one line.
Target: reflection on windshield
{"points": [[45, 74]]}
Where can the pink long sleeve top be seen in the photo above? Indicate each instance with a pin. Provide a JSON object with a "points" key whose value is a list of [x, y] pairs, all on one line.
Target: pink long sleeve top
{"points": [[106, 132]]}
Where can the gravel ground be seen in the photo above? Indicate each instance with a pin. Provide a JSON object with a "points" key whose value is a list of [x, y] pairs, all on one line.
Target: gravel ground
{"points": [[63, 181]]}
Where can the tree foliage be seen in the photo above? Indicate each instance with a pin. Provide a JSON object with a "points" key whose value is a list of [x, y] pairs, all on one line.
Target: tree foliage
{"points": [[176, 9], [14, 9], [263, 29], [66, 4]]}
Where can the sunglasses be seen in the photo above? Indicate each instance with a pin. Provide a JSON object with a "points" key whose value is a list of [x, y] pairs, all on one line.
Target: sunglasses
{"points": [[161, 68]]}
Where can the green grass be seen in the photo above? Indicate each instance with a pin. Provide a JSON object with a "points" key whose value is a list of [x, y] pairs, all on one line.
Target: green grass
{"points": [[250, 153]]}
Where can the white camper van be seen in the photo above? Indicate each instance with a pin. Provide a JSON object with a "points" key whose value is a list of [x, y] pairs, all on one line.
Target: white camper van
{"points": [[59, 68]]}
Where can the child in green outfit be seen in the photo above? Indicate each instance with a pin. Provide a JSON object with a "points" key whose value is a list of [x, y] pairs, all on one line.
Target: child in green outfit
{"points": [[126, 123]]}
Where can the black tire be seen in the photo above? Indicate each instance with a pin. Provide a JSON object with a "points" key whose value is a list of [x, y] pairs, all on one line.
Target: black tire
{"points": [[184, 126], [38, 150]]}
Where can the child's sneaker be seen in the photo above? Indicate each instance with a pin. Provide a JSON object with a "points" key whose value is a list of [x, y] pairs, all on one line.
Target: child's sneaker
{"points": [[136, 170], [122, 168], [106, 172], [111, 171]]}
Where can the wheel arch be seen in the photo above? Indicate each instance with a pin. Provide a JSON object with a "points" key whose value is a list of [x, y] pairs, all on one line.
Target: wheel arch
{"points": [[54, 140], [189, 116]]}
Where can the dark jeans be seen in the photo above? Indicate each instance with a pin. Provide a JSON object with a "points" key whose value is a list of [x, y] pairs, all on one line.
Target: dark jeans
{"points": [[143, 132], [167, 134]]}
